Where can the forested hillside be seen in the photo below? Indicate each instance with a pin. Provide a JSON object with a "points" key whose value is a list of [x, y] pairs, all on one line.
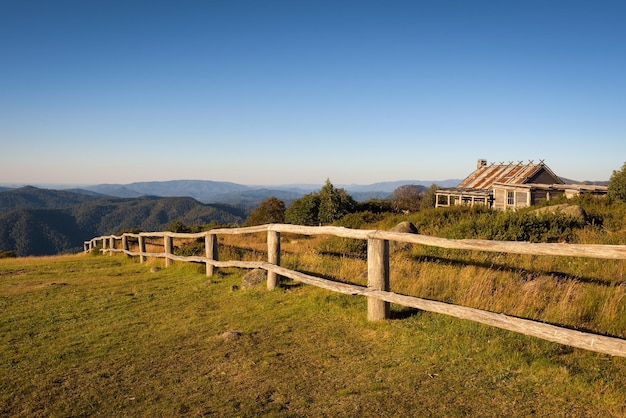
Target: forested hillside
{"points": [[29, 197], [39, 222]]}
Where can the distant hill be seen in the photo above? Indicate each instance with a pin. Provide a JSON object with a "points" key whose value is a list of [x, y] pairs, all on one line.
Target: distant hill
{"points": [[52, 221], [204, 191], [389, 186], [588, 182], [29, 197], [249, 197]]}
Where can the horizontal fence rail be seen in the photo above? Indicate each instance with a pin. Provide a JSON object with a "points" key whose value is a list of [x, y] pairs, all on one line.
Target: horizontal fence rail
{"points": [[377, 291]]}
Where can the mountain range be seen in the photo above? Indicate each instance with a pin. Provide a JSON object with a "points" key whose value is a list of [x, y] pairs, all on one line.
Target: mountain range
{"points": [[246, 196], [40, 221]]}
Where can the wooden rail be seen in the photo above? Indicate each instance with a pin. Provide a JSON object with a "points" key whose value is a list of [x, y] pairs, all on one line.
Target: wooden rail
{"points": [[377, 291]]}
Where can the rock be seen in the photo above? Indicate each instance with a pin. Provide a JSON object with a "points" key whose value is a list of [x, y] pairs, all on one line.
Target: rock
{"points": [[154, 269], [405, 227], [254, 278], [231, 334], [574, 211], [234, 288]]}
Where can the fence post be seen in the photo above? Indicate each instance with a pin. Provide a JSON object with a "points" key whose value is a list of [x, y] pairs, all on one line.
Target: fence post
{"points": [[104, 245], [377, 278], [210, 252], [167, 241], [142, 248], [273, 256], [111, 245], [125, 244]]}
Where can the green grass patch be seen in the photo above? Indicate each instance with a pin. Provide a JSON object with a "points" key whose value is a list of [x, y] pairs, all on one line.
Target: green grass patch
{"points": [[105, 336]]}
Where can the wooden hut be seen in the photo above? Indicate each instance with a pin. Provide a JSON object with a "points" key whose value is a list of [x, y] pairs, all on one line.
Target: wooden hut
{"points": [[511, 186]]}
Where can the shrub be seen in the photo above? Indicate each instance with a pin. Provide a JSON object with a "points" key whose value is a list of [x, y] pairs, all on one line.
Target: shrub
{"points": [[270, 210], [617, 185], [358, 220], [194, 248]]}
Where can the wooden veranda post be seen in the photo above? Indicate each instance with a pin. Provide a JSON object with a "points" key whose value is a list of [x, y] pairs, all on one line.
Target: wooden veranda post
{"points": [[210, 252], [273, 256], [142, 248], [167, 243], [377, 278]]}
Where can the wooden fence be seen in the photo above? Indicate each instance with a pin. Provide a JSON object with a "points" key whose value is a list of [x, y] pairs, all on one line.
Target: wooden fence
{"points": [[377, 291]]}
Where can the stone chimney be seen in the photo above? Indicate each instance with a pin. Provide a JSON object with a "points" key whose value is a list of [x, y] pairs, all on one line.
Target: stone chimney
{"points": [[481, 163]]}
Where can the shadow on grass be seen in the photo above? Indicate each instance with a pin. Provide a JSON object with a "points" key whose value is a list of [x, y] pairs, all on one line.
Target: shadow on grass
{"points": [[404, 313], [289, 285], [525, 274]]}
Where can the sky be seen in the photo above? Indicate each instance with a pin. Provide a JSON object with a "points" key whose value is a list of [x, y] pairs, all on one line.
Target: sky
{"points": [[280, 92]]}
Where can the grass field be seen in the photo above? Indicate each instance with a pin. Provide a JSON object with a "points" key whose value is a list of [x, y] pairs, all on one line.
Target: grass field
{"points": [[104, 336]]}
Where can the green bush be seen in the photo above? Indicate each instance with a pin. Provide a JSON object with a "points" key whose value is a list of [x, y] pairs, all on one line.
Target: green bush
{"points": [[358, 220], [617, 185]]}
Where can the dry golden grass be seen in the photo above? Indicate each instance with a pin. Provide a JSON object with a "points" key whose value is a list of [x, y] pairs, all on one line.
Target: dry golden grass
{"points": [[585, 294], [582, 293]]}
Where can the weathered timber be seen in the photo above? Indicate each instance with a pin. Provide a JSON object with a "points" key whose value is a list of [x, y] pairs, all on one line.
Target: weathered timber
{"points": [[168, 244], [273, 257], [550, 249], [377, 291], [210, 251], [377, 278], [142, 248]]}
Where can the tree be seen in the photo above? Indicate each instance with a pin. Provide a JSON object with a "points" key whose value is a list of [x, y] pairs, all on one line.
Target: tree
{"points": [[407, 198], [270, 210], [617, 185], [304, 211], [429, 197], [334, 203]]}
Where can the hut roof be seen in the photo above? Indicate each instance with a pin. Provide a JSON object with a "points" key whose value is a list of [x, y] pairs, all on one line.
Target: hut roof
{"points": [[486, 175]]}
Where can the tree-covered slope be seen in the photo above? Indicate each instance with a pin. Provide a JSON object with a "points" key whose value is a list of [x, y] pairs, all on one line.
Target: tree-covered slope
{"points": [[29, 197], [49, 222]]}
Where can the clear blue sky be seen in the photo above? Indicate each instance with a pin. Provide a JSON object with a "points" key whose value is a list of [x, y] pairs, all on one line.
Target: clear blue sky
{"points": [[298, 91]]}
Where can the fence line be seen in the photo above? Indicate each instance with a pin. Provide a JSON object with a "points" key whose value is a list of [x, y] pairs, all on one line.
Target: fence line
{"points": [[377, 291]]}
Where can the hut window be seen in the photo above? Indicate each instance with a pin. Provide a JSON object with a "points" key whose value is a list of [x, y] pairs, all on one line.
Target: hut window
{"points": [[510, 198]]}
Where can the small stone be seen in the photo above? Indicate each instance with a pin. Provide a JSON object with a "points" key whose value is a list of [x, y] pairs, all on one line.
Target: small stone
{"points": [[154, 269], [234, 288], [254, 278], [231, 334]]}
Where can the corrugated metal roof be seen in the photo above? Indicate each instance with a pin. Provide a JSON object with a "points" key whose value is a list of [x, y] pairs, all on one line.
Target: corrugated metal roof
{"points": [[513, 173]]}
